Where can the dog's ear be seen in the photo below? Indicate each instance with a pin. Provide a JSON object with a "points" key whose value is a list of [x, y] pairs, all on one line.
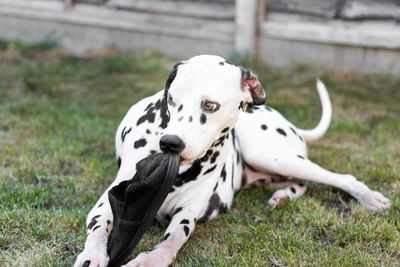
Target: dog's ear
{"points": [[251, 84], [172, 75]]}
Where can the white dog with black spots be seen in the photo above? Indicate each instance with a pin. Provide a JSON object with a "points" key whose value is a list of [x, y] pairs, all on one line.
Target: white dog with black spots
{"points": [[211, 113]]}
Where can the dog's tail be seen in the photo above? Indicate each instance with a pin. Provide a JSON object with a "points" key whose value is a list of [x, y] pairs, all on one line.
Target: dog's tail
{"points": [[326, 117]]}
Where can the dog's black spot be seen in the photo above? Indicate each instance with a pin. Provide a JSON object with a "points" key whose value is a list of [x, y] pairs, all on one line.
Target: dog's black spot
{"points": [[223, 173], [220, 141], [301, 138], [108, 222], [186, 229], [299, 156], [148, 131], [268, 108], [221, 63], [214, 203], [225, 130], [158, 104], [215, 187], [180, 108], [153, 152], [166, 236], [233, 138], [140, 143], [206, 156], [281, 131], [167, 217], [101, 204], [181, 118], [214, 157], [244, 179], [190, 118], [190, 174], [264, 127], [86, 264], [250, 110], [203, 118], [164, 116], [177, 210], [149, 116], [124, 133], [237, 157], [293, 189], [293, 130], [301, 184], [119, 161], [184, 221], [149, 106], [233, 171], [97, 227], [91, 224], [178, 182], [95, 217], [210, 169]]}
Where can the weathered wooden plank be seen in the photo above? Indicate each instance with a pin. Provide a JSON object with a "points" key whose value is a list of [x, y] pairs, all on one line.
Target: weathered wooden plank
{"points": [[322, 8], [350, 33], [361, 9], [96, 2], [283, 53], [103, 17], [211, 10]]}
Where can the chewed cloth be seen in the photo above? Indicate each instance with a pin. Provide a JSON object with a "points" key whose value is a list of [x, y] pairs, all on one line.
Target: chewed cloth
{"points": [[134, 203]]}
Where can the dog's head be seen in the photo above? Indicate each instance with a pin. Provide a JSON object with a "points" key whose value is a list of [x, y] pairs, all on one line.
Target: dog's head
{"points": [[204, 96]]}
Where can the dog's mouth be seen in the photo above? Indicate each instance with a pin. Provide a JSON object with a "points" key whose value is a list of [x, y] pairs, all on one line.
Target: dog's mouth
{"points": [[191, 160]]}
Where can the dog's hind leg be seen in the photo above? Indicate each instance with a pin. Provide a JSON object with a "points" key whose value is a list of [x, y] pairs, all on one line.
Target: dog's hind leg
{"points": [[286, 189], [302, 168]]}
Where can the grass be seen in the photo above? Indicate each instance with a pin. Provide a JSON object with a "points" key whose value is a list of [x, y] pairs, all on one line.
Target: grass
{"points": [[58, 116]]}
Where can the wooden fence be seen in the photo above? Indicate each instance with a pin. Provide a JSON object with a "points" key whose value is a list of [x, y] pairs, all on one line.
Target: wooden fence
{"points": [[362, 35]]}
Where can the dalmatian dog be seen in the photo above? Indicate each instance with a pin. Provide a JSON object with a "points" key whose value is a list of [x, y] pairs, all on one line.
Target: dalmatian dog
{"points": [[211, 113]]}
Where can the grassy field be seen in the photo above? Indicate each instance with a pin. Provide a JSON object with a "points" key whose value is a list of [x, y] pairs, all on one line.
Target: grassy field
{"points": [[58, 116]]}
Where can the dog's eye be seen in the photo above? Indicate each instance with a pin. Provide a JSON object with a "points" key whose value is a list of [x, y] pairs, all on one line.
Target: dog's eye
{"points": [[210, 106]]}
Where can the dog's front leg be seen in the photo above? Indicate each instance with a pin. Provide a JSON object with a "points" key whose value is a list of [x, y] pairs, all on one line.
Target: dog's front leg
{"points": [[177, 233], [99, 223]]}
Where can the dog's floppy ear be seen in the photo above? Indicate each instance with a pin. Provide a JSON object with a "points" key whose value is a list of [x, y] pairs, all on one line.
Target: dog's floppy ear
{"points": [[172, 75], [251, 84]]}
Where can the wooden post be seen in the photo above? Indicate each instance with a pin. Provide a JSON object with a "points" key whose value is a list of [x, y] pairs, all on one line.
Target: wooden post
{"points": [[68, 3], [246, 21]]}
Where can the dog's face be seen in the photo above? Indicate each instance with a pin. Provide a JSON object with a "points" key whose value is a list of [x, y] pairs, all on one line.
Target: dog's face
{"points": [[204, 96]]}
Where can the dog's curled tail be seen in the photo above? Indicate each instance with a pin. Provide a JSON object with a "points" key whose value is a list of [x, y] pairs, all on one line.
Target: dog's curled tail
{"points": [[326, 117]]}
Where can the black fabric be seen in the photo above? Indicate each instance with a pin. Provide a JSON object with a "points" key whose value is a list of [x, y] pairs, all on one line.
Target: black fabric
{"points": [[135, 203]]}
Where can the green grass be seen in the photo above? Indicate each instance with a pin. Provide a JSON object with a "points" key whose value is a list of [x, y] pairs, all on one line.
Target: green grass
{"points": [[58, 116]]}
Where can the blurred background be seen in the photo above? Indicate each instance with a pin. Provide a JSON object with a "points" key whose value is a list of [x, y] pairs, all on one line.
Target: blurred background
{"points": [[361, 35]]}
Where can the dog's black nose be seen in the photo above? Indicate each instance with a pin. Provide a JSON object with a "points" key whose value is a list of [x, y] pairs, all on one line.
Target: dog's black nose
{"points": [[171, 143]]}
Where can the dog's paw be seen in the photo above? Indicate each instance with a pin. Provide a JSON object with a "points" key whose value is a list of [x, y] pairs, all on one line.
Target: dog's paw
{"points": [[150, 259], [278, 199], [91, 258], [374, 201]]}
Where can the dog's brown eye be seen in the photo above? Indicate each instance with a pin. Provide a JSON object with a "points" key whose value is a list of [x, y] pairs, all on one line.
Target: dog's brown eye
{"points": [[210, 106]]}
